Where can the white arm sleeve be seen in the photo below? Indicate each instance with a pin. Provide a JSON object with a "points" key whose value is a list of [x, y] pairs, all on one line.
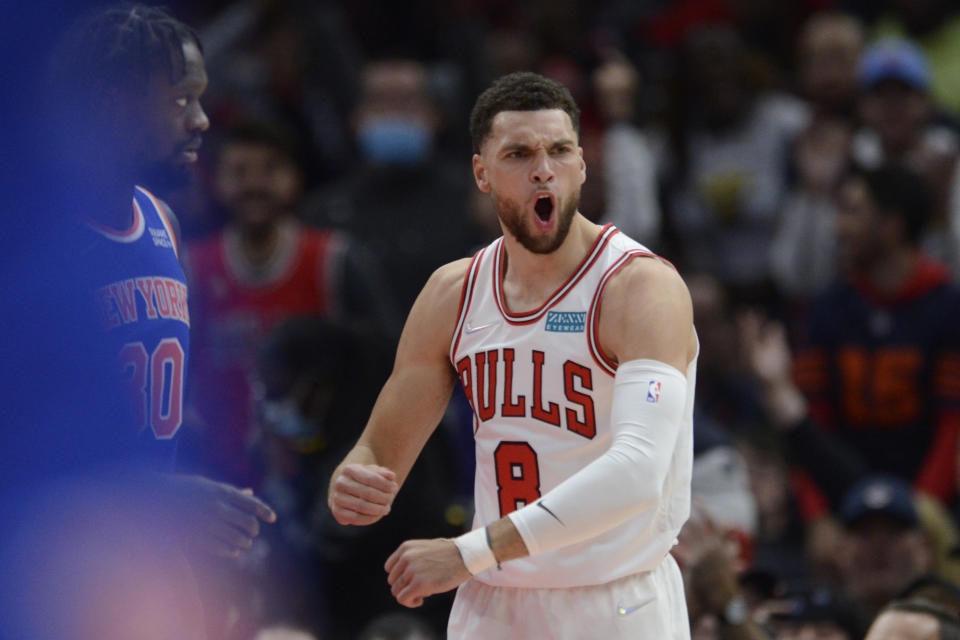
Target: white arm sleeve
{"points": [[649, 398]]}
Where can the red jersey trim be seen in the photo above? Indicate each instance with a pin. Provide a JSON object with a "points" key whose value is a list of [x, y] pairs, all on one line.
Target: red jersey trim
{"points": [[161, 212], [466, 297], [529, 317], [593, 329]]}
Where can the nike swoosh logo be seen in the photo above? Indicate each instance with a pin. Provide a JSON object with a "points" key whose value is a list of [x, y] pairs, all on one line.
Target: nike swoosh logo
{"points": [[625, 611], [470, 329], [544, 507]]}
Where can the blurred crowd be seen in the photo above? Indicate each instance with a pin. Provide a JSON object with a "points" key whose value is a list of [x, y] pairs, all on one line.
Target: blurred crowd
{"points": [[796, 160]]}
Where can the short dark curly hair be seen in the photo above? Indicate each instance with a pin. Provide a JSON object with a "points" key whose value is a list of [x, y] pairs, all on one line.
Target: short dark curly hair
{"points": [[120, 47], [520, 91], [901, 192]]}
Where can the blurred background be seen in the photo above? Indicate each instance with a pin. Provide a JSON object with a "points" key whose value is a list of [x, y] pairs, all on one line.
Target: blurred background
{"points": [[796, 160]]}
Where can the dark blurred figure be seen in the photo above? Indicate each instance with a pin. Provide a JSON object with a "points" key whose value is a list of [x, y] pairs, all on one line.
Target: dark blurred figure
{"points": [[885, 547], [726, 400], [914, 620], [903, 126], [265, 266], [397, 626], [319, 381], [709, 558], [626, 165], [283, 632], [879, 358], [726, 167], [314, 380], [935, 26], [818, 614], [405, 202], [829, 56], [803, 253], [288, 60], [936, 589]]}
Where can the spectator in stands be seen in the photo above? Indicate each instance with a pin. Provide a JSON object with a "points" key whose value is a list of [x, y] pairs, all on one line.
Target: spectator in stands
{"points": [[709, 559], [405, 202], [818, 614], [829, 57], [726, 166], [879, 362], [901, 127], [627, 166], [885, 548], [286, 59], [263, 267], [915, 620], [398, 626], [934, 588], [803, 253], [935, 26]]}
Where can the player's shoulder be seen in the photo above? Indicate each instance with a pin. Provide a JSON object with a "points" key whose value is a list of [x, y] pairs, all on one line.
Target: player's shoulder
{"points": [[647, 277], [432, 321], [646, 312], [445, 285]]}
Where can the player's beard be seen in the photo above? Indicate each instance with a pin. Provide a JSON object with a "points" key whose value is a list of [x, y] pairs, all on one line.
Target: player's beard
{"points": [[512, 216], [167, 176]]}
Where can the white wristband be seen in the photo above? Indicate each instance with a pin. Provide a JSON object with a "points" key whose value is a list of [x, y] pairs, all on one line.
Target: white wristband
{"points": [[475, 551]]}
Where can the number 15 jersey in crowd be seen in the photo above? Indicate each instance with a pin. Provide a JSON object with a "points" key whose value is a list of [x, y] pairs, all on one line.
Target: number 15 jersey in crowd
{"points": [[142, 299], [541, 391]]}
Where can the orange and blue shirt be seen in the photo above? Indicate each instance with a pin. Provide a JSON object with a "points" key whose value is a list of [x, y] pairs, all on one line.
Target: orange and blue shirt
{"points": [[882, 372]]}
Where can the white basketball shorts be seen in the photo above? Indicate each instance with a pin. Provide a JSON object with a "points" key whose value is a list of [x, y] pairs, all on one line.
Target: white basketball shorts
{"points": [[636, 607]]}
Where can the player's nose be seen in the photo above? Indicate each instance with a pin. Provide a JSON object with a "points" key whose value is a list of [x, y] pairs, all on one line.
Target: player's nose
{"points": [[541, 171], [199, 122]]}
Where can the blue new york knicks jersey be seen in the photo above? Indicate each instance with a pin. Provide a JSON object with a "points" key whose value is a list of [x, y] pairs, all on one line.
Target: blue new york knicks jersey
{"points": [[142, 298]]}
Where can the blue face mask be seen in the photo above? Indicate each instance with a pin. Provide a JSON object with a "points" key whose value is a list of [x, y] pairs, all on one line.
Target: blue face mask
{"points": [[395, 142], [284, 418]]}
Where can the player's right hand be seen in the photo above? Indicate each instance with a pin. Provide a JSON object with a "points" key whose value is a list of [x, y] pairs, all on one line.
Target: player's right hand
{"points": [[361, 494], [218, 518]]}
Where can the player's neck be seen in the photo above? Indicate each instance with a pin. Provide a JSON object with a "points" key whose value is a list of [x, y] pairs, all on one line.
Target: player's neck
{"points": [[106, 200], [530, 278]]}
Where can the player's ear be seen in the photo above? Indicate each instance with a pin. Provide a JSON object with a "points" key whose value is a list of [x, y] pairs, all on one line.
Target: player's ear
{"points": [[480, 174]]}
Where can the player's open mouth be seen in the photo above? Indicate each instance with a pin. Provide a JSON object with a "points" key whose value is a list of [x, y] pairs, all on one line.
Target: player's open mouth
{"points": [[544, 207]]}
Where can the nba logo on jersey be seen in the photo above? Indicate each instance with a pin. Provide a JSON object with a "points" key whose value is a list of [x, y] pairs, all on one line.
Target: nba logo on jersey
{"points": [[653, 391]]}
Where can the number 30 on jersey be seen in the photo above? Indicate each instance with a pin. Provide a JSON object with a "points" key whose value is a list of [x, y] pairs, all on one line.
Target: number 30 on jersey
{"points": [[156, 385]]}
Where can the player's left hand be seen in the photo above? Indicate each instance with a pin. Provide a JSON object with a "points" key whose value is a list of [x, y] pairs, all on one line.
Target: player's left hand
{"points": [[421, 568]]}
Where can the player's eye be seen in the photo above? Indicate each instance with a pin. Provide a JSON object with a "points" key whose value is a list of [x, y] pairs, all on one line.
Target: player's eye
{"points": [[182, 102]]}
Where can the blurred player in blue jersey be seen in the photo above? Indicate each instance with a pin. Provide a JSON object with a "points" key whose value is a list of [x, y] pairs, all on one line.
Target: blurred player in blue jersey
{"points": [[133, 77], [103, 554]]}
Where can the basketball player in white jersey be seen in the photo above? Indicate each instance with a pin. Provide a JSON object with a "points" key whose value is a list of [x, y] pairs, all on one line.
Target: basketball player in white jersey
{"points": [[577, 351]]}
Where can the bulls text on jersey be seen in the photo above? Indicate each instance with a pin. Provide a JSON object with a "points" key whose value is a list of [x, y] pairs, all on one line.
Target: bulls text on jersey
{"points": [[490, 389]]}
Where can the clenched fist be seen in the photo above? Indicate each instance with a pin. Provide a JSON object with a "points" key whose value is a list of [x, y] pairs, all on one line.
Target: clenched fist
{"points": [[421, 568], [361, 494]]}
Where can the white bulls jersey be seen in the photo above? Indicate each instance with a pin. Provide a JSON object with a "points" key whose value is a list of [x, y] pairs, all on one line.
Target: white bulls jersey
{"points": [[541, 392]]}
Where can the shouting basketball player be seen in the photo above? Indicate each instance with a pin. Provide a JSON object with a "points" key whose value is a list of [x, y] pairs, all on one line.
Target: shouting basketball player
{"points": [[576, 349]]}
